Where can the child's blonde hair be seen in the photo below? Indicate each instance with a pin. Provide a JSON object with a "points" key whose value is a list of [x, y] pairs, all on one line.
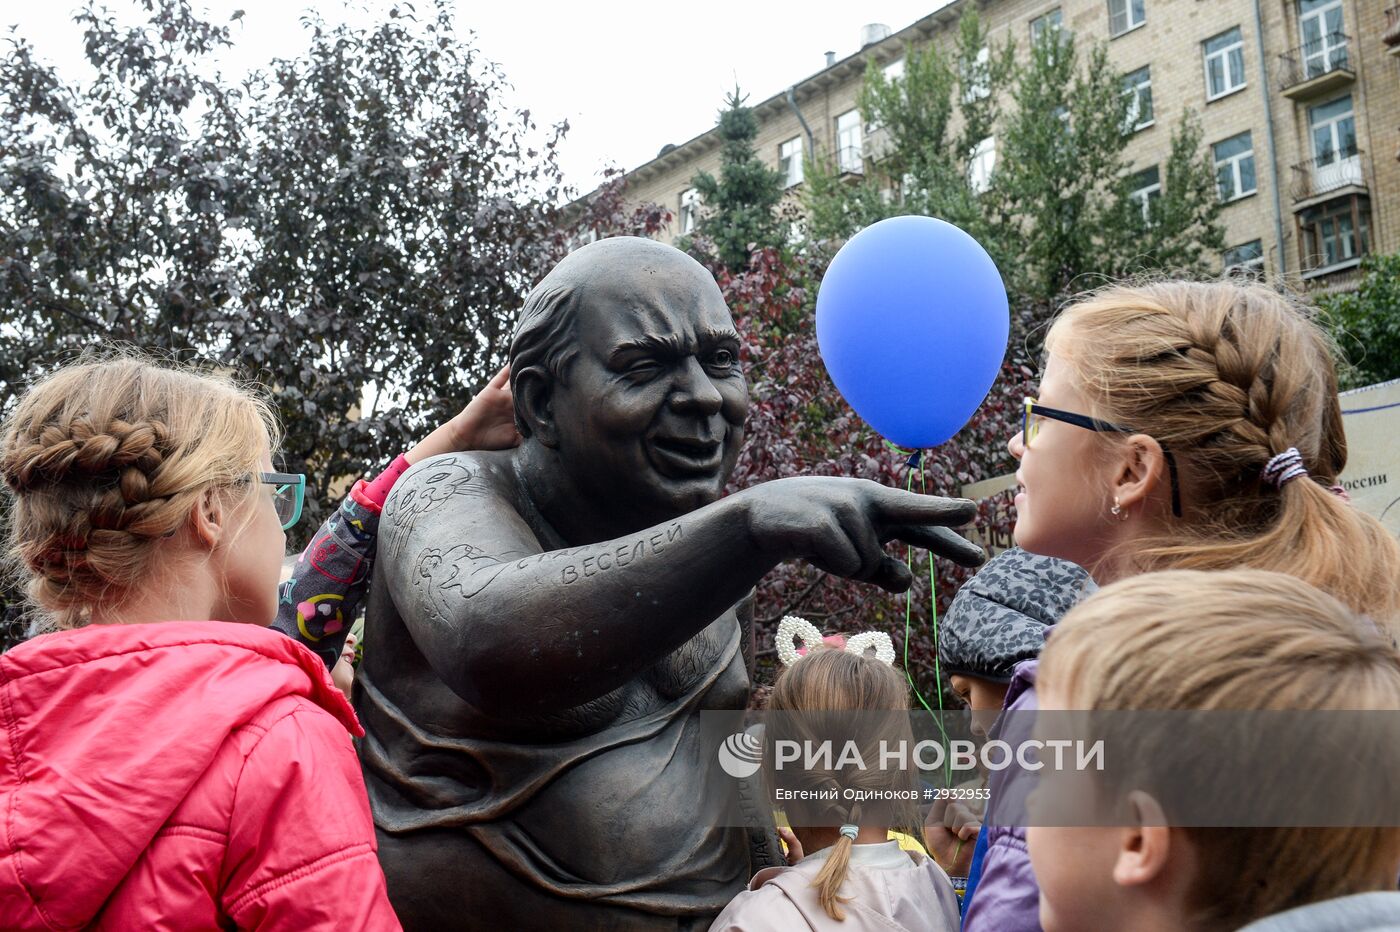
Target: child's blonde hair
{"points": [[831, 680], [1240, 640], [105, 458], [1226, 375]]}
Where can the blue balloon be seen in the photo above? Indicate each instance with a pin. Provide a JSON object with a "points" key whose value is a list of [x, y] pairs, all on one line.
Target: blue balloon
{"points": [[912, 323]]}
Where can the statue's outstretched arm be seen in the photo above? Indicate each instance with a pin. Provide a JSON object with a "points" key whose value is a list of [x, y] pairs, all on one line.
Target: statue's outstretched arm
{"points": [[512, 629]]}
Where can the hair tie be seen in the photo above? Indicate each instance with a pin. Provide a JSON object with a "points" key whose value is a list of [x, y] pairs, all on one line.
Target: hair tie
{"points": [[850, 831], [1284, 468]]}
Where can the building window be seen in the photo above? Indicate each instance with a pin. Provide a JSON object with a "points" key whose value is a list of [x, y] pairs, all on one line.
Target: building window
{"points": [[1137, 87], [1145, 187], [977, 81], [1125, 15], [979, 167], [1049, 24], [848, 153], [1224, 64], [1324, 43], [1333, 131], [894, 71], [690, 210], [790, 161], [1234, 166], [1245, 259], [1336, 233]]}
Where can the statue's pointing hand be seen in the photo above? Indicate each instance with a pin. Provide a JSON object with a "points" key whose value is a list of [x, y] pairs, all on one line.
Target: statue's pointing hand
{"points": [[841, 526]]}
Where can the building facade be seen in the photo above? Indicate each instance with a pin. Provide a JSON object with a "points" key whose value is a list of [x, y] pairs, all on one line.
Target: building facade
{"points": [[1299, 100]]}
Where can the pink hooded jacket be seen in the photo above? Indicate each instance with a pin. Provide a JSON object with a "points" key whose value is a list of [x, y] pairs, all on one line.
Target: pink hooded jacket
{"points": [[782, 899], [181, 775]]}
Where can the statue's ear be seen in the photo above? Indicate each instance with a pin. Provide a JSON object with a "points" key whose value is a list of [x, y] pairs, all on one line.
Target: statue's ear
{"points": [[534, 404]]}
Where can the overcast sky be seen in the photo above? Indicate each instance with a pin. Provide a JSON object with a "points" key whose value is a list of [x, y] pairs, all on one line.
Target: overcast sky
{"points": [[628, 75]]}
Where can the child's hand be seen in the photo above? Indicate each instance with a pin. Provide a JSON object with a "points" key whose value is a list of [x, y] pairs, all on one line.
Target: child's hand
{"points": [[486, 423], [794, 847], [951, 832], [343, 673]]}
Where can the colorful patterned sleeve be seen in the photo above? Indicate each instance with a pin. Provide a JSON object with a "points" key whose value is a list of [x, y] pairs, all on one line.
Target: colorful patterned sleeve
{"points": [[317, 605]]}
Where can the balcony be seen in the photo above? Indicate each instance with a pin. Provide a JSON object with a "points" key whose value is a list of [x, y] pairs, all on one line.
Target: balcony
{"points": [[850, 162], [1391, 36], [1329, 176], [1315, 67]]}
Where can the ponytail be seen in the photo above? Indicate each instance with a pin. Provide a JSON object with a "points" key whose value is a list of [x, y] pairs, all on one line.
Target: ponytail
{"points": [[833, 875]]}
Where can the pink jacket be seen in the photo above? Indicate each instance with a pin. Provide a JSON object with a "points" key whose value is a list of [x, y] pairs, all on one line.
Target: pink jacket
{"points": [[181, 775], [782, 899]]}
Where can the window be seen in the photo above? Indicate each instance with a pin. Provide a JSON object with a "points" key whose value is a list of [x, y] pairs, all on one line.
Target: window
{"points": [[1137, 87], [1246, 259], [690, 210], [790, 161], [1333, 127], [848, 154], [894, 71], [1145, 187], [979, 167], [1224, 64], [1125, 15], [1324, 44], [977, 81], [1337, 233], [1049, 24], [1234, 166]]}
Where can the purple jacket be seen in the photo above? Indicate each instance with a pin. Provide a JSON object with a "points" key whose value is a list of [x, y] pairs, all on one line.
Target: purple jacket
{"points": [[1007, 897]]}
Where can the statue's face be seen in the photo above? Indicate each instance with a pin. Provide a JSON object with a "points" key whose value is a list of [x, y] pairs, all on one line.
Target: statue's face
{"points": [[652, 416]]}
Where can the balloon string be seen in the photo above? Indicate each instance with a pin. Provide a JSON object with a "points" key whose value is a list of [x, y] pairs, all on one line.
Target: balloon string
{"points": [[916, 459]]}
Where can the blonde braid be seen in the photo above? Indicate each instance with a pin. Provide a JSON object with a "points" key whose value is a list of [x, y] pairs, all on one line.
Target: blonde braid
{"points": [[107, 458]]}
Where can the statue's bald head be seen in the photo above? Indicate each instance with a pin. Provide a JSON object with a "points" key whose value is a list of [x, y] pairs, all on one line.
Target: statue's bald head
{"points": [[617, 271]]}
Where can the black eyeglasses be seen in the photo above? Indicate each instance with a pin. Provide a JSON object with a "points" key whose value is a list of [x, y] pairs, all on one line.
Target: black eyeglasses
{"points": [[1034, 411]]}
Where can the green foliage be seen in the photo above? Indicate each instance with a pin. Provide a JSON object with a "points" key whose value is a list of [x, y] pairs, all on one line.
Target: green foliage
{"points": [[741, 206], [1366, 323], [1057, 208], [354, 227]]}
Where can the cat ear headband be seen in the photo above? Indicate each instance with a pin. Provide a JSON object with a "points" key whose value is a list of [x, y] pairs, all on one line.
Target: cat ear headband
{"points": [[793, 629]]}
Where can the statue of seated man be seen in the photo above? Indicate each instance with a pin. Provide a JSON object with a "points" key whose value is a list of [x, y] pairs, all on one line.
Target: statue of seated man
{"points": [[547, 623]]}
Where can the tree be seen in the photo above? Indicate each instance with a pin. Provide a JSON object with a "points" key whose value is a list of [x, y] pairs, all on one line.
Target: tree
{"points": [[741, 205], [1060, 205], [1366, 323], [354, 227]]}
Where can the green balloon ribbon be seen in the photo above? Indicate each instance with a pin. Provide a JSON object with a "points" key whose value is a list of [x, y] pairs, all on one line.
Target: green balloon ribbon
{"points": [[916, 460]]}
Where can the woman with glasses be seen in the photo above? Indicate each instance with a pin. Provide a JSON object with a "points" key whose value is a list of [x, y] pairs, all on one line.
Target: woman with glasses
{"points": [[1182, 425], [169, 760]]}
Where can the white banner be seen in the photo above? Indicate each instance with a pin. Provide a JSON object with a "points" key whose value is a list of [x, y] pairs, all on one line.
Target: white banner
{"points": [[1372, 476]]}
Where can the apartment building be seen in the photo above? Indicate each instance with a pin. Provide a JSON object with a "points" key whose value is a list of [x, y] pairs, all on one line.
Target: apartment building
{"points": [[1299, 99]]}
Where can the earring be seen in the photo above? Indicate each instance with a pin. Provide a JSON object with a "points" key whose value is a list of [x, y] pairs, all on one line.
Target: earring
{"points": [[1117, 510]]}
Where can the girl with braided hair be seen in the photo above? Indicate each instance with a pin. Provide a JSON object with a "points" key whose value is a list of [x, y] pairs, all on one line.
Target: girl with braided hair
{"points": [[846, 872], [170, 760], [1182, 425]]}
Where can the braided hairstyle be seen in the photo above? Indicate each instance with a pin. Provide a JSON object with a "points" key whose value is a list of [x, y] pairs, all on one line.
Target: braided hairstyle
{"points": [[833, 696], [106, 458], [1226, 375]]}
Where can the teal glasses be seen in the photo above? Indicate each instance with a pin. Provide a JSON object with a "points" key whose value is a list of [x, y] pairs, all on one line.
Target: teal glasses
{"points": [[288, 492]]}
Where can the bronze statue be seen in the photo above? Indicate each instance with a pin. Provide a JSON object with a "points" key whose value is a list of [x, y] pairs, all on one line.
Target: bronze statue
{"points": [[546, 623]]}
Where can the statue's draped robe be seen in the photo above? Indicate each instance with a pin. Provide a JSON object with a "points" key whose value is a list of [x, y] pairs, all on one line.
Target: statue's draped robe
{"points": [[595, 817]]}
